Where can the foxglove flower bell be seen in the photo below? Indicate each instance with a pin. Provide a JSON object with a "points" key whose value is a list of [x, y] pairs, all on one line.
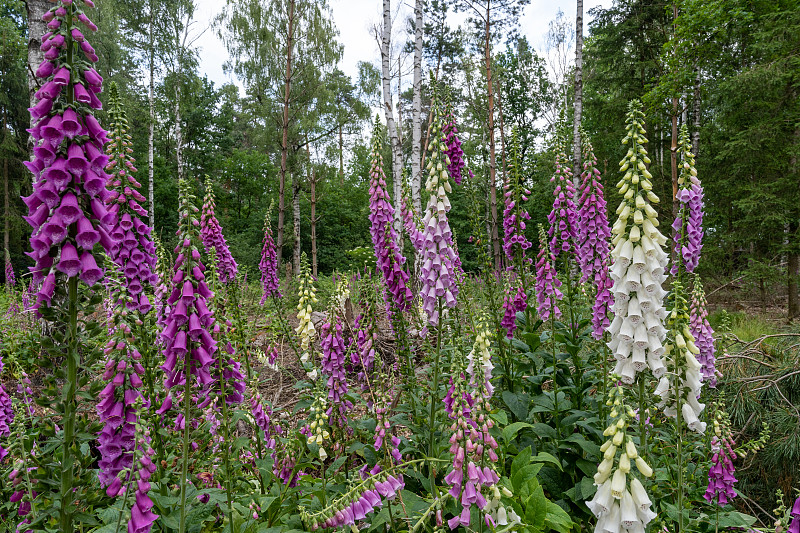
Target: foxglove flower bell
{"points": [[390, 261], [439, 259], [688, 225], [638, 262], [547, 282], [133, 250], [563, 218], [515, 243], [513, 302], [66, 210], [269, 264], [211, 234]]}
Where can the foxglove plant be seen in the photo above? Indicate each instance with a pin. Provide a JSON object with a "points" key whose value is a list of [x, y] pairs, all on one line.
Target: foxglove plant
{"points": [[306, 331], [547, 282], [680, 388], [603, 301], [6, 414], [188, 344], [142, 515], [563, 217], [703, 334], [514, 301], [211, 234], [621, 500], [438, 256], [269, 263], [593, 232], [515, 243], [454, 152], [638, 263], [721, 474], [333, 369], [688, 225], [388, 255], [133, 251], [67, 210], [117, 409], [10, 277]]}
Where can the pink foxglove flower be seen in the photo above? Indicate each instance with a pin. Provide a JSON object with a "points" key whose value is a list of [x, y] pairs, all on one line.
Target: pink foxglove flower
{"points": [[269, 264], [703, 334], [515, 216], [187, 338], [333, 360], [390, 260], [453, 148], [688, 225], [721, 474], [211, 234], [548, 285], [11, 279], [563, 217], [67, 211], [513, 302], [592, 243], [133, 251], [6, 414], [142, 515], [439, 259]]}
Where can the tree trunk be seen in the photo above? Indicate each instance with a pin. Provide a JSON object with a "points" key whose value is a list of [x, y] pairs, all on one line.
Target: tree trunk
{"points": [[793, 260], [578, 103], [152, 125], [178, 131], [503, 145], [314, 222], [287, 86], [492, 155], [341, 155], [36, 28], [296, 220], [394, 137], [416, 113]]}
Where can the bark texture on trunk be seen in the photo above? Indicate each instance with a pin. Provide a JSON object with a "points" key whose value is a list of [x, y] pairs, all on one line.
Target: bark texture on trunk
{"points": [[388, 110], [578, 103], [296, 220], [178, 131], [287, 87], [696, 113], [492, 155], [36, 28], [416, 113]]}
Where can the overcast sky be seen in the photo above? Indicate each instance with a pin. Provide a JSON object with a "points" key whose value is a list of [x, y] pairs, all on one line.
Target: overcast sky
{"points": [[355, 18]]}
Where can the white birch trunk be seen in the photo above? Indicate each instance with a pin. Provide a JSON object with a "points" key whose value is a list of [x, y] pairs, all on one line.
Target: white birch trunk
{"points": [[394, 137], [578, 104], [416, 113]]}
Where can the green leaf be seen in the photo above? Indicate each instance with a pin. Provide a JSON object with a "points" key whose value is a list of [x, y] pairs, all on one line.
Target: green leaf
{"points": [[517, 403], [557, 518], [536, 508], [524, 474], [523, 458], [510, 431], [544, 457]]}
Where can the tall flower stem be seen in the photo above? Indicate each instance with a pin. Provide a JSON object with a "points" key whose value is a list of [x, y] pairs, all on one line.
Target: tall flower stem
{"points": [[187, 398], [65, 517], [679, 458], [226, 436], [556, 414], [435, 390], [642, 420]]}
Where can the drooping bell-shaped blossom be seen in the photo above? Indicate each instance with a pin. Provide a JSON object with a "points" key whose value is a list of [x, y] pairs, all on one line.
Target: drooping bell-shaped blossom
{"points": [[439, 259], [189, 346], [123, 372], [621, 501], [6, 414], [703, 334], [679, 388], [593, 233], [721, 474], [389, 259], [603, 301], [453, 148], [67, 211], [411, 223], [515, 243], [514, 301], [11, 279], [563, 218], [688, 225], [472, 477], [142, 515], [333, 361], [133, 250], [306, 332], [211, 234], [548, 292], [638, 262], [794, 525], [269, 264]]}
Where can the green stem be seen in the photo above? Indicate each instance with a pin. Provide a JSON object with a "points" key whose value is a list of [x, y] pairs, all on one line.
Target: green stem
{"points": [[187, 397], [435, 391], [226, 446], [679, 424], [65, 516], [556, 415], [642, 425]]}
